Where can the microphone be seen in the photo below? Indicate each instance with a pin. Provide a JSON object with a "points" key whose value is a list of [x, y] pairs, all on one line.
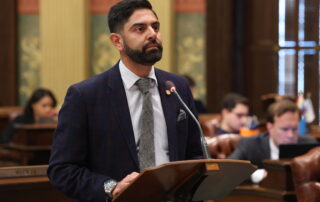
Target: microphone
{"points": [[172, 88]]}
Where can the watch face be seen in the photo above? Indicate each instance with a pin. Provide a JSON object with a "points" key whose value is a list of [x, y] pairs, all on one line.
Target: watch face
{"points": [[109, 186], [112, 183]]}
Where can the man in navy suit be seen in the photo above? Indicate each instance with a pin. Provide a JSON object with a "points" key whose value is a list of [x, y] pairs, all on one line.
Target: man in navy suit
{"points": [[94, 154]]}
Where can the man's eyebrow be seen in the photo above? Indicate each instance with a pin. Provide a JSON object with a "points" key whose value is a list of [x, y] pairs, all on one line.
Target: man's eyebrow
{"points": [[156, 23], [138, 24], [143, 24]]}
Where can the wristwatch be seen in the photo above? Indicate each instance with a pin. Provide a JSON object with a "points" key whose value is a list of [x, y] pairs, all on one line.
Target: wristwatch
{"points": [[109, 185]]}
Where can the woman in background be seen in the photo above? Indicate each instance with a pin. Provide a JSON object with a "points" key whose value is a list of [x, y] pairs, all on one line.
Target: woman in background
{"points": [[39, 109]]}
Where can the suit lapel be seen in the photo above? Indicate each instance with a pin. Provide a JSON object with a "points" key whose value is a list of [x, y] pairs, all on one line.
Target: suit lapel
{"points": [[121, 110], [169, 106], [265, 146], [122, 114]]}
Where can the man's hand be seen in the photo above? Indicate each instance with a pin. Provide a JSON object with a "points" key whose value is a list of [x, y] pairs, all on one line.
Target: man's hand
{"points": [[124, 183]]}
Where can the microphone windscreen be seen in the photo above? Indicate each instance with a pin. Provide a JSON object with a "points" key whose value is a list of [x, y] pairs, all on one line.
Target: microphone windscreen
{"points": [[170, 86]]}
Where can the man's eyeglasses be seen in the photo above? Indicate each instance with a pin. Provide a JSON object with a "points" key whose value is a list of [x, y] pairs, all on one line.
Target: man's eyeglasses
{"points": [[240, 115]]}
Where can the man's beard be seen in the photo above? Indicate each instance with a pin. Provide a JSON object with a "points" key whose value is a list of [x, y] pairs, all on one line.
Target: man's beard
{"points": [[145, 57]]}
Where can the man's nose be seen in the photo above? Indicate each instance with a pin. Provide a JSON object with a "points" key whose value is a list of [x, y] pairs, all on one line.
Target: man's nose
{"points": [[244, 119], [291, 132], [152, 34]]}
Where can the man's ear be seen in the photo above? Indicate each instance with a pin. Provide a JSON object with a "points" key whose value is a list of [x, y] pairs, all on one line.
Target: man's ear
{"points": [[224, 112], [269, 126], [117, 41]]}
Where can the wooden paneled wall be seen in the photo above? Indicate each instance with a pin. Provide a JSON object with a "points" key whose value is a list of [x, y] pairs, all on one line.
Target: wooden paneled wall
{"points": [[219, 48], [241, 54], [8, 68], [260, 55]]}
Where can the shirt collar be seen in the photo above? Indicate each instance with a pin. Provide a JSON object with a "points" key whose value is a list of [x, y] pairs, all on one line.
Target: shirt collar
{"points": [[129, 78], [273, 149]]}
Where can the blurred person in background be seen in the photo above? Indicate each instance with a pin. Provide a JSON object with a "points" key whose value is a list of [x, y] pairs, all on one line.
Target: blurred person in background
{"points": [[234, 114], [282, 128], [200, 107], [40, 108]]}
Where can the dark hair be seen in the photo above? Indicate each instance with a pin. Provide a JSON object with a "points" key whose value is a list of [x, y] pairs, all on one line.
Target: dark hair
{"points": [[190, 81], [268, 99], [281, 107], [121, 12], [232, 99], [35, 97]]}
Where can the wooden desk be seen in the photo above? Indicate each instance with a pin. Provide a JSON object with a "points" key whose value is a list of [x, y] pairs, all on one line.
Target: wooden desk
{"points": [[33, 136], [315, 135], [28, 183], [33, 143], [276, 187], [279, 175], [255, 193], [5, 113]]}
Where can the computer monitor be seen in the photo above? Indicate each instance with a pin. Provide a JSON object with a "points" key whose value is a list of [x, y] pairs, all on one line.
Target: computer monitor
{"points": [[287, 151]]}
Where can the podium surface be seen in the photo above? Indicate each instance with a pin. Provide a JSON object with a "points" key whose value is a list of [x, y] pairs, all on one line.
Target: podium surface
{"points": [[192, 180]]}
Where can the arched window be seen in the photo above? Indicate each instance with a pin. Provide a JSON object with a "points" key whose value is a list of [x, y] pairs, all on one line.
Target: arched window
{"points": [[298, 47]]}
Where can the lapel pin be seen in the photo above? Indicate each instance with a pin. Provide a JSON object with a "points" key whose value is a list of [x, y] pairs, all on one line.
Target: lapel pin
{"points": [[168, 92]]}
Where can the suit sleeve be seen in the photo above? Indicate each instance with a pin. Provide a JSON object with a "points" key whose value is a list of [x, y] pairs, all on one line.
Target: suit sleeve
{"points": [[240, 151], [67, 166], [307, 140]]}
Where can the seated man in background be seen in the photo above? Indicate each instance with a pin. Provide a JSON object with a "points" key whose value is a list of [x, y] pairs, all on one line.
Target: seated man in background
{"points": [[234, 114], [282, 128]]}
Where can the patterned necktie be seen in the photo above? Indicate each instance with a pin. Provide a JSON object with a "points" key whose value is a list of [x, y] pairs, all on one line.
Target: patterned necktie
{"points": [[146, 139]]}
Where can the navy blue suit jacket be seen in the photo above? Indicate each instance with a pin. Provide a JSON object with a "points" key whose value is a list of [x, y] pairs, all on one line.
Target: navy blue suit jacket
{"points": [[94, 139]]}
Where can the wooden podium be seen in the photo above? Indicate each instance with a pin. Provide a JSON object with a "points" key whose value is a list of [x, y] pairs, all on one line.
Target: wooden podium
{"points": [[193, 180]]}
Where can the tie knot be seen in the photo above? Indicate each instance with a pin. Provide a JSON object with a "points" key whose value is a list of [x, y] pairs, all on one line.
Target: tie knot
{"points": [[144, 85]]}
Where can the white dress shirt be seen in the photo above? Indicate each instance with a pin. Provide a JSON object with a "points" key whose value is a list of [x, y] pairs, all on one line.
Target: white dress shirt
{"points": [[274, 150], [135, 99]]}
